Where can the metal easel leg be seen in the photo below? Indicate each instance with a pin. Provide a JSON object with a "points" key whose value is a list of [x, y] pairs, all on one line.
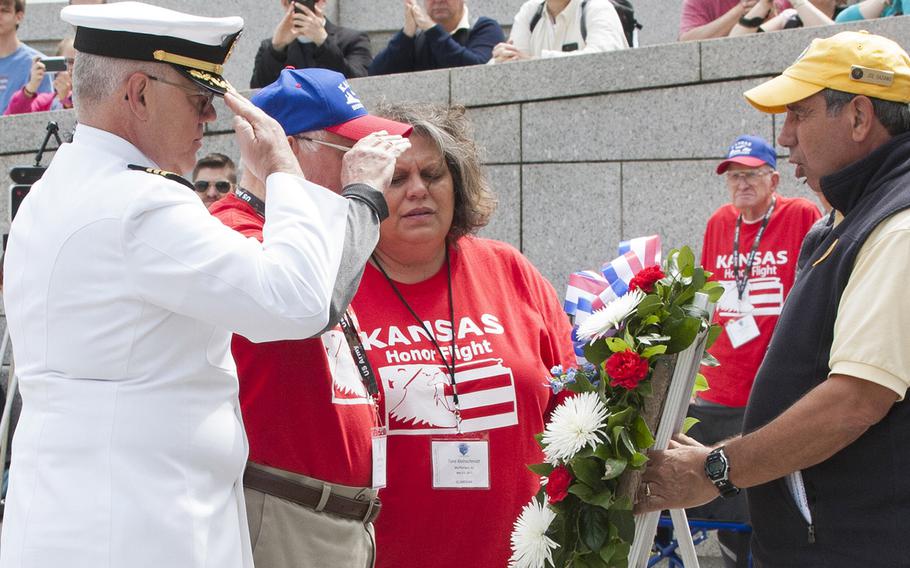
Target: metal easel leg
{"points": [[684, 538]]}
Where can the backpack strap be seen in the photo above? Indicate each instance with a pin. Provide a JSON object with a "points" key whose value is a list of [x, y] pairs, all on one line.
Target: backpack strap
{"points": [[537, 15]]}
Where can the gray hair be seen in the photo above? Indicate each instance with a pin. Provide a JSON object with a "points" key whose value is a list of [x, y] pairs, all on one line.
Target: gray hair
{"points": [[894, 116], [98, 77], [449, 129]]}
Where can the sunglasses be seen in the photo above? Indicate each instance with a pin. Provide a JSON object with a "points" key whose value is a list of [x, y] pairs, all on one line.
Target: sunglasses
{"points": [[220, 186]]}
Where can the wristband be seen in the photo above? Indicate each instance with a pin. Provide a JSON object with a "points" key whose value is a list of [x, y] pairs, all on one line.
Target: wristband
{"points": [[29, 94], [751, 22]]}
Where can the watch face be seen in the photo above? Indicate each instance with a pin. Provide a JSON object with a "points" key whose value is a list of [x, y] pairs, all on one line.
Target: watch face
{"points": [[715, 467]]}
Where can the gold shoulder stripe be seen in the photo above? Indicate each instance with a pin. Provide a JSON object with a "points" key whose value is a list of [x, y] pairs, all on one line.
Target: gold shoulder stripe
{"points": [[827, 253], [165, 174], [188, 62]]}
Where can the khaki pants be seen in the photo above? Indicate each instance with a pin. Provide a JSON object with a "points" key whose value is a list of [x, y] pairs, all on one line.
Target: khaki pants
{"points": [[288, 535]]}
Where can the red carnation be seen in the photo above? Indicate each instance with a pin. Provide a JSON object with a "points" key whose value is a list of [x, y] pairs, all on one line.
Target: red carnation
{"points": [[558, 484], [646, 278], [626, 369]]}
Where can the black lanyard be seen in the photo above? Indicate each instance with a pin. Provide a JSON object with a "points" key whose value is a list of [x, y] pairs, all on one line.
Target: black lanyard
{"points": [[742, 279], [450, 367], [358, 353], [251, 200]]}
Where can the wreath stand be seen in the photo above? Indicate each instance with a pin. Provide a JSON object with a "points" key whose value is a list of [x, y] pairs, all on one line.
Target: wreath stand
{"points": [[679, 380]]}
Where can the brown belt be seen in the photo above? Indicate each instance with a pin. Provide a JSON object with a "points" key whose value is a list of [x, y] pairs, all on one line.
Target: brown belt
{"points": [[278, 486]]}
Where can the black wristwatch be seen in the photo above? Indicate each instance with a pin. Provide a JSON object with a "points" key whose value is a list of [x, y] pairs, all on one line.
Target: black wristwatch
{"points": [[717, 468], [752, 22]]}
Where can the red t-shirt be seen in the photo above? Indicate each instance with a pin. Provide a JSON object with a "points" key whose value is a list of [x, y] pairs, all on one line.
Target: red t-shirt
{"points": [[510, 331], [696, 13], [304, 406], [769, 283]]}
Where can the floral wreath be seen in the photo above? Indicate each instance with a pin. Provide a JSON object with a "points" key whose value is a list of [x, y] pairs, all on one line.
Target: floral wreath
{"points": [[578, 518]]}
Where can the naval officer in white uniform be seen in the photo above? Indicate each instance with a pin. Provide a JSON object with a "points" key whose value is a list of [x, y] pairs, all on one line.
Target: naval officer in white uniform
{"points": [[122, 292]]}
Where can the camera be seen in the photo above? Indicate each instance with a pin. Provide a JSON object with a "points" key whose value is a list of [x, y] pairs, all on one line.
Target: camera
{"points": [[311, 4], [54, 64]]}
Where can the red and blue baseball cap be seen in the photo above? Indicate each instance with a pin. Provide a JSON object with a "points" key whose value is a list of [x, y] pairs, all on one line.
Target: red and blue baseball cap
{"points": [[303, 100], [752, 151]]}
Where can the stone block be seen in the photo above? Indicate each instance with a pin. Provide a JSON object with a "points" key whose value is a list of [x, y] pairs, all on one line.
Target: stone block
{"points": [[571, 217], [659, 20], [23, 133], [423, 87], [497, 131], [505, 225], [694, 121], [42, 23], [771, 53], [594, 73]]}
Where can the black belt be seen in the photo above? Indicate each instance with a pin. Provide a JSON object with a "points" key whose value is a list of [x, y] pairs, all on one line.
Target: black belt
{"points": [[283, 488]]}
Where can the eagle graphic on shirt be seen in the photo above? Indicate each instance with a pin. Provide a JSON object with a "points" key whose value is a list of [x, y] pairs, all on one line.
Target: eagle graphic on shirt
{"points": [[347, 388]]}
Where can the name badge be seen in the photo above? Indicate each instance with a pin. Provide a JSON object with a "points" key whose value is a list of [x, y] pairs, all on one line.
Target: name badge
{"points": [[461, 463], [380, 437], [742, 330]]}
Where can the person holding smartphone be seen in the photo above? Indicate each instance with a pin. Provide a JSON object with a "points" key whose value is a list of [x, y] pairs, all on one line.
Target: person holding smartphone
{"points": [[30, 99], [305, 38]]}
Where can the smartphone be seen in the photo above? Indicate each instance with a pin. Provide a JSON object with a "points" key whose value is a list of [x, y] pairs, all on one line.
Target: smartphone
{"points": [[311, 4], [54, 64]]}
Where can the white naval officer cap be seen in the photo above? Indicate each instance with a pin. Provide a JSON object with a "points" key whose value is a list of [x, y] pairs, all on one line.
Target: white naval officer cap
{"points": [[196, 46]]}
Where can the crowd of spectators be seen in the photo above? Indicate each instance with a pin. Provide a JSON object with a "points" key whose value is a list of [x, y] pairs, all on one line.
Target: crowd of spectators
{"points": [[439, 34]]}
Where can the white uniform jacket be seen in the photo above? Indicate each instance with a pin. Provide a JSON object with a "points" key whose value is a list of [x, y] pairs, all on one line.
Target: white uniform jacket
{"points": [[121, 296]]}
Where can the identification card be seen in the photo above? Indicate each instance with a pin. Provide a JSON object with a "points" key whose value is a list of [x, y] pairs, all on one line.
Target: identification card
{"points": [[380, 437], [742, 330], [461, 463]]}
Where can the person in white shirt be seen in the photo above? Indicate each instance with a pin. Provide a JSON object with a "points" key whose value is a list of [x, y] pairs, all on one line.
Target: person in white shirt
{"points": [[122, 292], [555, 28]]}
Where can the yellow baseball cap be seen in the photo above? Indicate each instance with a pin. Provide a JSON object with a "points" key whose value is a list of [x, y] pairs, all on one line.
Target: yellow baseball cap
{"points": [[854, 62]]}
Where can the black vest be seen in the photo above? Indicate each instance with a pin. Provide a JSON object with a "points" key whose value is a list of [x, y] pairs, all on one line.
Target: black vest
{"points": [[860, 497]]}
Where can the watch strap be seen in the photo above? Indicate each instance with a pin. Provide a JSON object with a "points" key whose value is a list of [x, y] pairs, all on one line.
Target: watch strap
{"points": [[721, 478]]}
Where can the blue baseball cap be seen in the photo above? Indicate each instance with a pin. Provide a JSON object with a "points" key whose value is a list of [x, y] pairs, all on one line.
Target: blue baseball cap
{"points": [[750, 151], [302, 100]]}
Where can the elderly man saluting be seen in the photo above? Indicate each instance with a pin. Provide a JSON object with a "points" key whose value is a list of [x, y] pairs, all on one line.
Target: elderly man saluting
{"points": [[824, 454], [121, 295]]}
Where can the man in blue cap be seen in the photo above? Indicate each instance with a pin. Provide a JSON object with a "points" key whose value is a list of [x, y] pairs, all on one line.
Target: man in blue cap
{"points": [[317, 448], [766, 231]]}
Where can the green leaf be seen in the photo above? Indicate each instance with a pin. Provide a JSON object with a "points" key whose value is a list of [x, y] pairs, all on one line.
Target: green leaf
{"points": [[621, 556], [613, 467], [638, 459], [649, 304], [592, 524], [709, 360], [715, 292], [603, 451], [649, 352], [543, 469], [627, 441], [597, 352], [582, 491], [713, 333], [701, 384], [699, 278], [641, 433], [650, 320], [624, 522], [587, 470], [683, 332], [688, 423], [602, 499], [607, 552], [581, 384], [620, 418], [685, 261], [617, 345]]}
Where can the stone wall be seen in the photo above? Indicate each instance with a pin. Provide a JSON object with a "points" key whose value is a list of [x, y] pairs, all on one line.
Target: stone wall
{"points": [[582, 151]]}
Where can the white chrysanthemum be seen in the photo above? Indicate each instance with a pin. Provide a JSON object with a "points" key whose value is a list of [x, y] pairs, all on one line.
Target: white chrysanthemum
{"points": [[574, 424], [608, 318], [531, 547]]}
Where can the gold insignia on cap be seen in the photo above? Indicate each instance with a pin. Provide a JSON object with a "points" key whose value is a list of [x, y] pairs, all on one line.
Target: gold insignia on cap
{"points": [[872, 76], [209, 78], [188, 62]]}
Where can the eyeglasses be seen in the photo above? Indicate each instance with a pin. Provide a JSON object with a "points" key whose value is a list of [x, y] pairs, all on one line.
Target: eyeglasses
{"points": [[220, 186], [324, 143], [206, 95], [748, 176]]}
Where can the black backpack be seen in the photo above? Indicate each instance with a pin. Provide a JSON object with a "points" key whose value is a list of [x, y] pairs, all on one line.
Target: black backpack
{"points": [[624, 10]]}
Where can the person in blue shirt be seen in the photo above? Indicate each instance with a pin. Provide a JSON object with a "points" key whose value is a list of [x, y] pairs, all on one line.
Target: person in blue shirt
{"points": [[16, 58], [871, 9], [438, 35]]}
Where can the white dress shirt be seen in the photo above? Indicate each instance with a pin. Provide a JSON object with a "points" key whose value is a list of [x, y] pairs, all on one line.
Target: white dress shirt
{"points": [[121, 296], [605, 32]]}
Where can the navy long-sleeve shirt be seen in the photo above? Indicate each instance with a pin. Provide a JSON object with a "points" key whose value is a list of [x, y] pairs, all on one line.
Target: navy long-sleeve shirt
{"points": [[437, 49]]}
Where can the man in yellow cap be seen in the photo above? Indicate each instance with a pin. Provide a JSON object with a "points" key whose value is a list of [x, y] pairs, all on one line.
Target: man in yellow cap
{"points": [[122, 293], [825, 451]]}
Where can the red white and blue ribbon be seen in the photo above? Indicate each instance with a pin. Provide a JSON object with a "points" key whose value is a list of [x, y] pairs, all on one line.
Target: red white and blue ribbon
{"points": [[588, 291]]}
